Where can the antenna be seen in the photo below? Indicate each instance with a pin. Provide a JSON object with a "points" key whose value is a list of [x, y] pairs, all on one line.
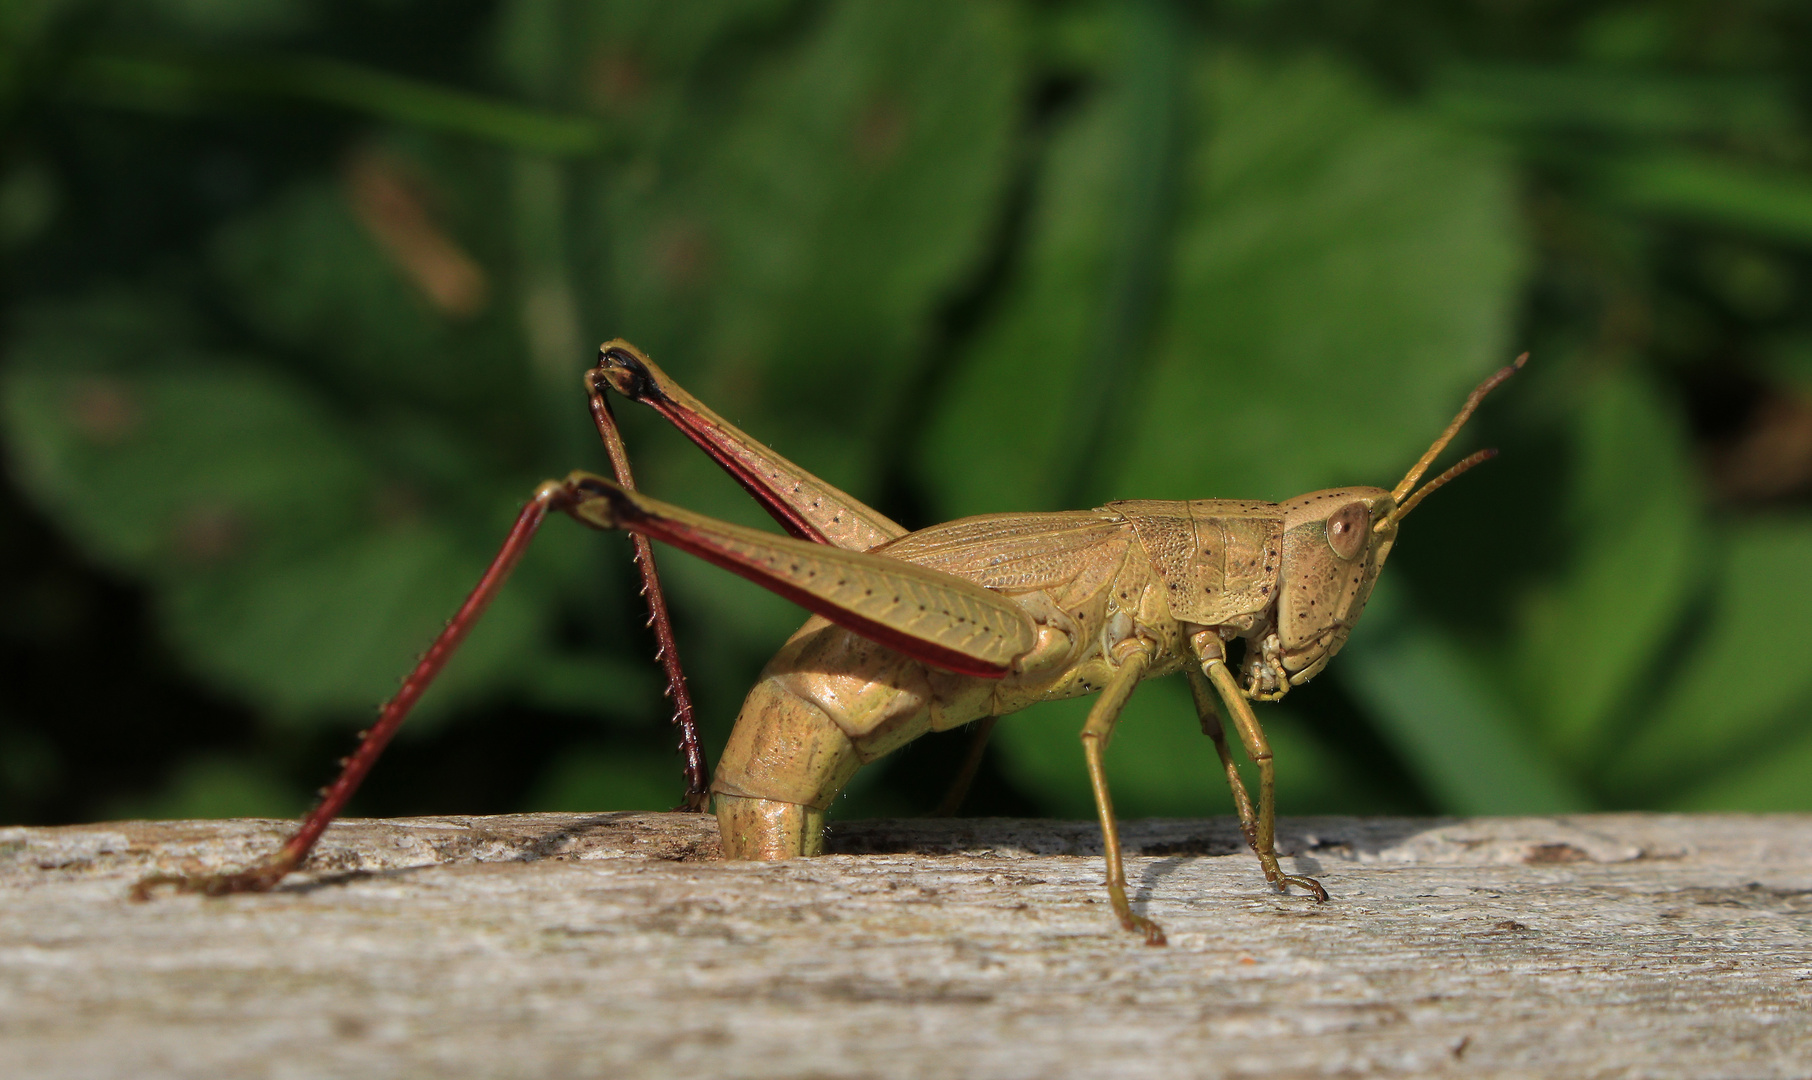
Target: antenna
{"points": [[1440, 444], [1402, 489]]}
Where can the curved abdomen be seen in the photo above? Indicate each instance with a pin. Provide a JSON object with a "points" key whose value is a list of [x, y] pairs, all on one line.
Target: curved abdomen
{"points": [[830, 702]]}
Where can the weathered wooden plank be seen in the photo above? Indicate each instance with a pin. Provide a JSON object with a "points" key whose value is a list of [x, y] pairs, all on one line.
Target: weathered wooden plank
{"points": [[614, 944]]}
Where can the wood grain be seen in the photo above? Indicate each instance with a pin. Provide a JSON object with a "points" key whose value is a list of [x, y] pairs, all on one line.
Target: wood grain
{"points": [[616, 945]]}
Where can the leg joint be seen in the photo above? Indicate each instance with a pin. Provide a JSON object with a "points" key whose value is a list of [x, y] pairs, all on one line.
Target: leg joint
{"points": [[555, 494]]}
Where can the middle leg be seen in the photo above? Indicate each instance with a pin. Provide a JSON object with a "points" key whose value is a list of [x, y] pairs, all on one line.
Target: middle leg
{"points": [[1207, 708], [1095, 735]]}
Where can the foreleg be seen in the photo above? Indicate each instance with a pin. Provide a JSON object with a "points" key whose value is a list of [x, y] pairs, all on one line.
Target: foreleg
{"points": [[1263, 834]]}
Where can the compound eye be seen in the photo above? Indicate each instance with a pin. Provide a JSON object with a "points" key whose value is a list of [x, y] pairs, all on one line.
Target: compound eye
{"points": [[1348, 529]]}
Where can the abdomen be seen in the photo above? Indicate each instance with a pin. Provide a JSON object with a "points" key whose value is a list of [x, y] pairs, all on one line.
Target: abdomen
{"points": [[829, 703]]}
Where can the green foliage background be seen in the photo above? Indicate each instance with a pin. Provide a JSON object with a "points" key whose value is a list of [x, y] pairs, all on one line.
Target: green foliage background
{"points": [[298, 295]]}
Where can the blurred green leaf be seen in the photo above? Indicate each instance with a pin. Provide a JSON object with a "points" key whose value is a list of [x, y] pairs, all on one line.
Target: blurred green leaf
{"points": [[600, 778], [830, 212], [237, 488], [309, 277], [1344, 272], [24, 26], [28, 203], [175, 472], [1159, 763], [1029, 398], [1743, 688], [1620, 101], [1748, 279], [1628, 34], [1788, 359], [1589, 639], [629, 59], [232, 18], [217, 786], [29, 764], [1432, 702], [1298, 164], [591, 684], [161, 83], [1776, 780], [339, 629], [1771, 202]]}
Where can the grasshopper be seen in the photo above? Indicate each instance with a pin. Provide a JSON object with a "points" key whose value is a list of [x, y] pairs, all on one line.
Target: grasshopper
{"points": [[923, 631]]}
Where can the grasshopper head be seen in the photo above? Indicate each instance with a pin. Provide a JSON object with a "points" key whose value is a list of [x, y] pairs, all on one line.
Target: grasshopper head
{"points": [[1334, 544]]}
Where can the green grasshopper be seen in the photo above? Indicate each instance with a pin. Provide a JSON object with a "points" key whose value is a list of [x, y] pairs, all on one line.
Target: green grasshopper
{"points": [[923, 631]]}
